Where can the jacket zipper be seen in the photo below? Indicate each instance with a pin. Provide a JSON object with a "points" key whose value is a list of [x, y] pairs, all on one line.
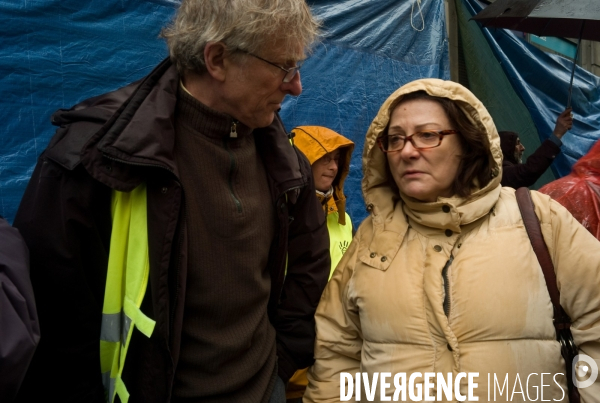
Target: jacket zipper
{"points": [[178, 261], [290, 218], [233, 132], [447, 285]]}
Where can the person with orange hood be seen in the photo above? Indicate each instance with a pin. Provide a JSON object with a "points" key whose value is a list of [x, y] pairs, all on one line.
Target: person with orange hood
{"points": [[329, 155], [579, 192]]}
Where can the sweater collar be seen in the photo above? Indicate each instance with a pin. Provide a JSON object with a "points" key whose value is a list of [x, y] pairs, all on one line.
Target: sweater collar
{"points": [[205, 120]]}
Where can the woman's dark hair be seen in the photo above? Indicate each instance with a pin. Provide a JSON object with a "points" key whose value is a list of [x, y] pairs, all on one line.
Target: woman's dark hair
{"points": [[474, 162]]}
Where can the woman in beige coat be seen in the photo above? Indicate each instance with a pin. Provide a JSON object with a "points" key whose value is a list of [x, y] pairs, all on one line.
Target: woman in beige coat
{"points": [[441, 277]]}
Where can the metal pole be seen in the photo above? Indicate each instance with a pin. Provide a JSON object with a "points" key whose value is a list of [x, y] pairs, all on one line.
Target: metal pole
{"points": [[575, 63]]}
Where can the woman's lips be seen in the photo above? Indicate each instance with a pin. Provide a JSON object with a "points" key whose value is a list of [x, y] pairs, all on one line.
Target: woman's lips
{"points": [[411, 173]]}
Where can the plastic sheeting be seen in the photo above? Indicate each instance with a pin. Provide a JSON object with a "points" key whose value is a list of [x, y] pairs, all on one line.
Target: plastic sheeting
{"points": [[542, 80], [54, 54], [579, 191], [57, 53]]}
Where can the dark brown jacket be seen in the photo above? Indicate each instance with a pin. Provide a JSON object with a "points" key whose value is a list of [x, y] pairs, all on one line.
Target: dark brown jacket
{"points": [[117, 141]]}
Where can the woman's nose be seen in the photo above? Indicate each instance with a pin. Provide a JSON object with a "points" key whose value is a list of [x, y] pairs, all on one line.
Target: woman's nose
{"points": [[408, 151]]}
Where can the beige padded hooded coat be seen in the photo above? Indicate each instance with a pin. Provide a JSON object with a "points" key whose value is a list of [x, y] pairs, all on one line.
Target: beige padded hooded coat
{"points": [[383, 309]]}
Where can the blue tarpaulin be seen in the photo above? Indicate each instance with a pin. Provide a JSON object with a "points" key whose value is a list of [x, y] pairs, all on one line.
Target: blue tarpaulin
{"points": [[54, 54], [57, 53]]}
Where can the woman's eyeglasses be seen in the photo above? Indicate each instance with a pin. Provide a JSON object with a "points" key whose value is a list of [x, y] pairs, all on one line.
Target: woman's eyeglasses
{"points": [[420, 141]]}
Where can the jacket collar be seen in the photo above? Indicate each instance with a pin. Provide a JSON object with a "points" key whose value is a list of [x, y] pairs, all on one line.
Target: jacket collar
{"points": [[458, 211], [118, 135], [143, 132]]}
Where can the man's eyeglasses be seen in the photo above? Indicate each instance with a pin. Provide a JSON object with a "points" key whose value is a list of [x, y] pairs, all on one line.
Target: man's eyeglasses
{"points": [[289, 73], [420, 140]]}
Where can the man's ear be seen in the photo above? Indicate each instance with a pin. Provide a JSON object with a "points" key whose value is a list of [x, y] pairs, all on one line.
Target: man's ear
{"points": [[214, 58]]}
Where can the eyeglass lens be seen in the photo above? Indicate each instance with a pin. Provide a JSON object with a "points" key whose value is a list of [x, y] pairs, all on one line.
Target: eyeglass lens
{"points": [[325, 160], [291, 73], [419, 140]]}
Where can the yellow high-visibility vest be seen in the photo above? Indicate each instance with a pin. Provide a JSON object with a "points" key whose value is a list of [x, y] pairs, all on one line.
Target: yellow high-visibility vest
{"points": [[126, 282], [340, 237]]}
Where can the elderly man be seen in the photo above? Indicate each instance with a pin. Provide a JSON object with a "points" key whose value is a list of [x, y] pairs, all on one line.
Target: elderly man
{"points": [[177, 250]]}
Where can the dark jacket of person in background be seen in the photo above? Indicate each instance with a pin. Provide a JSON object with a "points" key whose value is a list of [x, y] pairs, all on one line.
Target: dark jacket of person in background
{"points": [[516, 174], [19, 328]]}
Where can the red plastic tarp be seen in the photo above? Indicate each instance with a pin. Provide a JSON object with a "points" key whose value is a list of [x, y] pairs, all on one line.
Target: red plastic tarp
{"points": [[579, 191]]}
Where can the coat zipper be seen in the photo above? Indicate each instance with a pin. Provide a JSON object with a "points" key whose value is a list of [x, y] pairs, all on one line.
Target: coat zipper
{"points": [[290, 219], [447, 285]]}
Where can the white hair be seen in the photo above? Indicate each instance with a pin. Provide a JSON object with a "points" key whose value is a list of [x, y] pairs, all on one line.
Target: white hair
{"points": [[239, 24]]}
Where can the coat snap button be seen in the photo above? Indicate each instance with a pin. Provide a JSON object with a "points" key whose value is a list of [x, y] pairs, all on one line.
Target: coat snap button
{"points": [[437, 248], [448, 232], [369, 207], [108, 168], [383, 258], [373, 254], [163, 190], [446, 209]]}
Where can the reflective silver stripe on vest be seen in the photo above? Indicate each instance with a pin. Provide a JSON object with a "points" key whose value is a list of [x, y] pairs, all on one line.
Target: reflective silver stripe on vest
{"points": [[111, 327], [125, 328], [115, 327], [109, 385]]}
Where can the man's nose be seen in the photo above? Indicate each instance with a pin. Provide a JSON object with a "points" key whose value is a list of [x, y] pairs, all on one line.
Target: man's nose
{"points": [[294, 86]]}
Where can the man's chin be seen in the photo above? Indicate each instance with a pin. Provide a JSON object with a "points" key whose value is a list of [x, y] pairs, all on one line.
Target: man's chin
{"points": [[267, 120], [259, 122]]}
